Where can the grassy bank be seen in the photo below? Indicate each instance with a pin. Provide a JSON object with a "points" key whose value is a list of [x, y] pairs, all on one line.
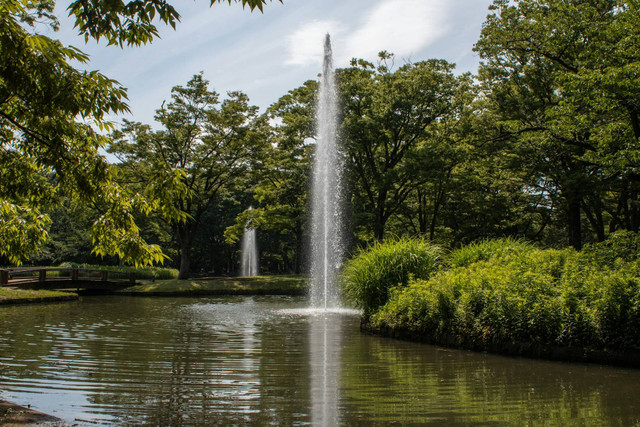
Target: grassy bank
{"points": [[260, 285], [511, 297], [26, 296]]}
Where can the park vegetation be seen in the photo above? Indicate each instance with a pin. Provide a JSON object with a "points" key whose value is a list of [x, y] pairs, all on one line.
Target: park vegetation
{"points": [[541, 146], [502, 291]]}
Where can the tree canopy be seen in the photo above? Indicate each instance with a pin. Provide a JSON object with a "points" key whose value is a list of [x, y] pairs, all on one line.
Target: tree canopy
{"points": [[204, 147], [541, 144], [52, 120], [133, 22]]}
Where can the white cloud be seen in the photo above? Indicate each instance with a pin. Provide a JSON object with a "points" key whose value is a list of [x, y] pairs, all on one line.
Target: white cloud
{"points": [[306, 44], [402, 27], [399, 26]]}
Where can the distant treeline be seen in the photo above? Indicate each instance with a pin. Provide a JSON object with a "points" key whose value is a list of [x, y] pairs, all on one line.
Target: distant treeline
{"points": [[542, 144]]}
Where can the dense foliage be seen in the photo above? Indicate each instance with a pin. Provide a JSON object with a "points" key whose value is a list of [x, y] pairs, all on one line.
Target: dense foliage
{"points": [[205, 147], [511, 292], [541, 145], [51, 118], [373, 274]]}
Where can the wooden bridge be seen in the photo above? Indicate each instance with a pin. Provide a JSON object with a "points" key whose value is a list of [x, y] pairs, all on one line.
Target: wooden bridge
{"points": [[65, 278]]}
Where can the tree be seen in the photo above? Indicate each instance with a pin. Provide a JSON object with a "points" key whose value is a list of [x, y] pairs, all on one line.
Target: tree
{"points": [[132, 22], [47, 145], [385, 116], [49, 114], [567, 105], [434, 161], [280, 193], [207, 142]]}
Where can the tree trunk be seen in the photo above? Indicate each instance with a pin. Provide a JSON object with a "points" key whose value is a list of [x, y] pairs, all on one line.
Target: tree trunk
{"points": [[437, 204], [574, 223], [185, 263], [299, 247], [185, 234], [422, 211], [594, 215], [634, 211], [378, 227]]}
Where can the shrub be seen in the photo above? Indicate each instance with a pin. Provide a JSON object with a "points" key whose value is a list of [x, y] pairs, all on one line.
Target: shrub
{"points": [[159, 273], [621, 245], [368, 277], [551, 297], [487, 249], [613, 297]]}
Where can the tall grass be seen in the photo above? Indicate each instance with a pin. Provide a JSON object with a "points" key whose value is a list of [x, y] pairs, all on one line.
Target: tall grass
{"points": [[486, 250], [369, 277], [513, 292]]}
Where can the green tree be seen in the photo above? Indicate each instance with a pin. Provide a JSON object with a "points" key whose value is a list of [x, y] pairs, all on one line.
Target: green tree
{"points": [[567, 97], [435, 161], [280, 194], [386, 114], [50, 115], [210, 143], [131, 22]]}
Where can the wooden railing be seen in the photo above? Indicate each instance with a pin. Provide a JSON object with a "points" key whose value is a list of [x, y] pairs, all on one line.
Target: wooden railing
{"points": [[21, 275]]}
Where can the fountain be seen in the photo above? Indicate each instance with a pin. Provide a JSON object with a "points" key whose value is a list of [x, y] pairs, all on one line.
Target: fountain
{"points": [[326, 234], [249, 266]]}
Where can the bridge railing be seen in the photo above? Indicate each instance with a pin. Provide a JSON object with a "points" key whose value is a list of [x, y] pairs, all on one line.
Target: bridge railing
{"points": [[44, 274]]}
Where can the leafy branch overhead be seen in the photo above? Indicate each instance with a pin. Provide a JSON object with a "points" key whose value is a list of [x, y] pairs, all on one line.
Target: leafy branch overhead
{"points": [[131, 23], [51, 119]]}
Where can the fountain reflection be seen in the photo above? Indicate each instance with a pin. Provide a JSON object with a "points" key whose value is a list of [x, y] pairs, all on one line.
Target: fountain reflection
{"points": [[264, 361], [324, 364]]}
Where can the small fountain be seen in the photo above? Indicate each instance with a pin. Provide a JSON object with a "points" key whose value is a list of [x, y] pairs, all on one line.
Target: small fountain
{"points": [[249, 266], [326, 235]]}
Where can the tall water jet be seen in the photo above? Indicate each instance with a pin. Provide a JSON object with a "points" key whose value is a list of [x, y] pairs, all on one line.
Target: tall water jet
{"points": [[249, 263], [327, 247]]}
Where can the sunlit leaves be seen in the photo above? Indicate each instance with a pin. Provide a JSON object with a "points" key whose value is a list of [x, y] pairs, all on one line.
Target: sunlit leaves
{"points": [[47, 145], [190, 165], [22, 231], [133, 22], [116, 232], [49, 111]]}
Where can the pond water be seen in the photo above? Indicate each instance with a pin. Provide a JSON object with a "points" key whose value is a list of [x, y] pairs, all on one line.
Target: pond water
{"points": [[262, 360]]}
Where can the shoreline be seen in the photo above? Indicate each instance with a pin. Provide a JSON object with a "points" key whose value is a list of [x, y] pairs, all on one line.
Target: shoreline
{"points": [[262, 285], [515, 349], [15, 415], [212, 292], [39, 300]]}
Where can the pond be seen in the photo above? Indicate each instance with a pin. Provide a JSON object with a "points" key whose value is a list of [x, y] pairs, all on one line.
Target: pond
{"points": [[264, 360]]}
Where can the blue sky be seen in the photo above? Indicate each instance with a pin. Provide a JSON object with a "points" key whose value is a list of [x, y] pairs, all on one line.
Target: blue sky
{"points": [[265, 55]]}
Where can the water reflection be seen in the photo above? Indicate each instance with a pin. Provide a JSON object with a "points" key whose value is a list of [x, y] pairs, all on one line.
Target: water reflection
{"points": [[263, 360], [325, 364], [440, 386]]}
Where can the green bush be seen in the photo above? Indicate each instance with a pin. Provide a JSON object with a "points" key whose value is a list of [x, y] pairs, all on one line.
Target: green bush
{"points": [[487, 249], [621, 245], [372, 273], [551, 297], [148, 273]]}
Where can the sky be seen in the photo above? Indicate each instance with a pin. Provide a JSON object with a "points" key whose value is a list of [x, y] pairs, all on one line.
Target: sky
{"points": [[267, 54]]}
